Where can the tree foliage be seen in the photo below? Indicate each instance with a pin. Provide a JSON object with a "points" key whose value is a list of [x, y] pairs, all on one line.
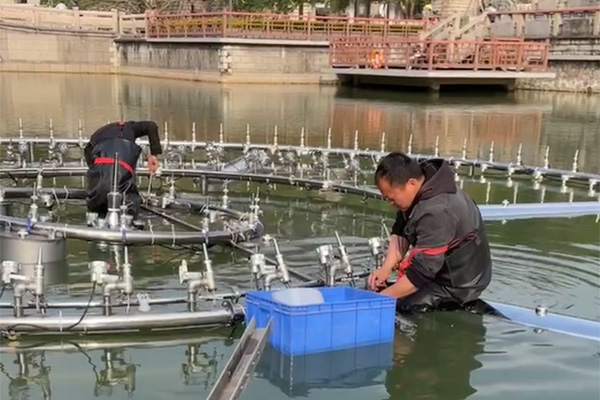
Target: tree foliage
{"points": [[127, 6], [404, 8]]}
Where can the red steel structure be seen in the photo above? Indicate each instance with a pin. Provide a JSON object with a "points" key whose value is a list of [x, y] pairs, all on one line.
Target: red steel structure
{"points": [[507, 55], [276, 26]]}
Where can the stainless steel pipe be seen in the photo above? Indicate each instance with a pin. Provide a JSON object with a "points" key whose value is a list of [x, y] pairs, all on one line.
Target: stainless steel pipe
{"points": [[133, 303], [135, 237], [126, 322], [515, 168]]}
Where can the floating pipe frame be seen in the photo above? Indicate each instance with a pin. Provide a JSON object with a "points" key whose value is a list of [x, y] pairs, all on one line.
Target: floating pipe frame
{"points": [[574, 326], [179, 147], [248, 230]]}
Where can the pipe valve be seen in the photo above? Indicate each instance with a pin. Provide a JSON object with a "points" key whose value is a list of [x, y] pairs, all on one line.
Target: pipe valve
{"points": [[197, 280], [22, 284], [375, 246]]}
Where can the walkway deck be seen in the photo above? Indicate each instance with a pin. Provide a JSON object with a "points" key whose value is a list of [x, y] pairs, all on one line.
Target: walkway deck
{"points": [[435, 63], [448, 74]]}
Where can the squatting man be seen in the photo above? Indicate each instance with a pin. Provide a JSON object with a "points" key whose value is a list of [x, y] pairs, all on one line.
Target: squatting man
{"points": [[117, 140], [449, 263]]}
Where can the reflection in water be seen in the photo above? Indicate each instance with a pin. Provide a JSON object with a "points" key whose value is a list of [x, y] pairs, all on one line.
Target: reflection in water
{"points": [[114, 371], [31, 371], [297, 376], [564, 122], [437, 361], [201, 367], [477, 125], [434, 357]]}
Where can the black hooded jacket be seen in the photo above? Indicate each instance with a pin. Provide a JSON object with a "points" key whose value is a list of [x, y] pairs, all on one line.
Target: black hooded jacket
{"points": [[445, 228], [128, 131], [116, 139]]}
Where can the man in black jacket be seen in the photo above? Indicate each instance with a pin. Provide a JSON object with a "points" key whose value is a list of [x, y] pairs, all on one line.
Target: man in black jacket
{"points": [[117, 140], [449, 262]]}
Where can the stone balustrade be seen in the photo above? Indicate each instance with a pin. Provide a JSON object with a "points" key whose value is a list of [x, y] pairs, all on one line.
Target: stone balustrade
{"points": [[77, 21]]}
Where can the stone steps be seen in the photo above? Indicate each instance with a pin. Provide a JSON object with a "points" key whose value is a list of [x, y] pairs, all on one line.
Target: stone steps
{"points": [[446, 8]]}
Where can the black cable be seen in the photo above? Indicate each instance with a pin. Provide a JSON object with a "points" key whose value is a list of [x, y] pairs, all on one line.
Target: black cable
{"points": [[13, 178], [87, 307], [44, 328]]}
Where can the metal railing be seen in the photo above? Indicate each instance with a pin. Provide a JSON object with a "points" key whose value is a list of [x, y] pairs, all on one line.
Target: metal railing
{"points": [[276, 26], [438, 55]]}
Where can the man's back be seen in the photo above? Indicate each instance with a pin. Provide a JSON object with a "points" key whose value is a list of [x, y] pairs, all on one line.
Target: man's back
{"points": [[130, 130], [115, 142]]}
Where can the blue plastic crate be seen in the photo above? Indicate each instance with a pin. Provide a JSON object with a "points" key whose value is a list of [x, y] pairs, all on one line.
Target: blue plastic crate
{"points": [[349, 317]]}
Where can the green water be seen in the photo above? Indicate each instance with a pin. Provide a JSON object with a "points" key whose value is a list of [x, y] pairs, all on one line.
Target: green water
{"points": [[439, 356]]}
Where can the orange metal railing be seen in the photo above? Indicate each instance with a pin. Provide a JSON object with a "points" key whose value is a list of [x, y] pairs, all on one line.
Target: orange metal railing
{"points": [[275, 26], [561, 23], [437, 55]]}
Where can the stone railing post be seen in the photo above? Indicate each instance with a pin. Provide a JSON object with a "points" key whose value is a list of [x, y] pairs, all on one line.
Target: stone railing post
{"points": [[35, 17], [76, 20], [116, 21], [596, 29], [150, 22], [556, 24]]}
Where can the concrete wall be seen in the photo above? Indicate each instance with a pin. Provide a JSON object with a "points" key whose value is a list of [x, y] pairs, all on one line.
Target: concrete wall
{"points": [[227, 61], [563, 49], [571, 76], [24, 50], [30, 50]]}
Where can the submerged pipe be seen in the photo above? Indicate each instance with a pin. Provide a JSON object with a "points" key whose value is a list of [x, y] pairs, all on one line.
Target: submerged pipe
{"points": [[115, 323], [80, 194], [489, 211], [223, 175], [110, 343]]}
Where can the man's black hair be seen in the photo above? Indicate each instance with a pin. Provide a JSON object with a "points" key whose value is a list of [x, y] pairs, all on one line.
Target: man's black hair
{"points": [[398, 168]]}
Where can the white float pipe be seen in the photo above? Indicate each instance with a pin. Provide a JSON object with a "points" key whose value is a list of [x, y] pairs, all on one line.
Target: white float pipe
{"points": [[540, 318], [538, 210]]}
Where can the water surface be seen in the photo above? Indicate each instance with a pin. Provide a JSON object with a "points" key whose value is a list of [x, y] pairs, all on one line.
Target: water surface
{"points": [[439, 356]]}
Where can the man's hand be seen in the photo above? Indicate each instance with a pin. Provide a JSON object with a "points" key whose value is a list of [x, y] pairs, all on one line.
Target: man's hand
{"points": [[152, 164], [378, 277]]}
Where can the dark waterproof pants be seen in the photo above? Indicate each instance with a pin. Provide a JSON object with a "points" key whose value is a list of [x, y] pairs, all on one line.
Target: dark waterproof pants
{"points": [[432, 297], [100, 184]]}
